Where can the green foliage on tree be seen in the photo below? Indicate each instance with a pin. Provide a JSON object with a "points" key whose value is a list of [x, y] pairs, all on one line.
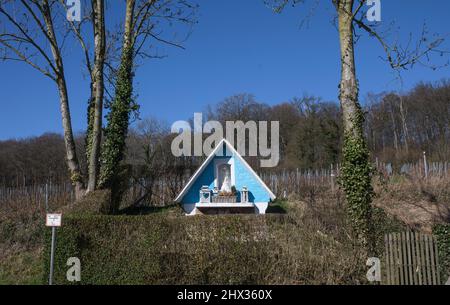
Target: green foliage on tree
{"points": [[442, 234], [356, 176], [116, 131]]}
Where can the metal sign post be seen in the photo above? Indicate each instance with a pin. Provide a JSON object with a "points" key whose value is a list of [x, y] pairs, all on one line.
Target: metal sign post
{"points": [[53, 220]]}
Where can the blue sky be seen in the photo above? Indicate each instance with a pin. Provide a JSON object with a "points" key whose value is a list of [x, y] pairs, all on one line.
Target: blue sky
{"points": [[237, 46]]}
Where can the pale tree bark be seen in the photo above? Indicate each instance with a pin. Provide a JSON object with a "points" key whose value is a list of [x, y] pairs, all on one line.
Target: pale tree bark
{"points": [[129, 24], [93, 138], [98, 9], [72, 160], [349, 84]]}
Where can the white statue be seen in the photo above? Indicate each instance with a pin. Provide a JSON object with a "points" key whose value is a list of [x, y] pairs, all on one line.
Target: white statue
{"points": [[226, 185]]}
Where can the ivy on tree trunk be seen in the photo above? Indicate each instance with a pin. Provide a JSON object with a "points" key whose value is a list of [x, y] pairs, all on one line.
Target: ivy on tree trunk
{"points": [[116, 131], [118, 121], [356, 170]]}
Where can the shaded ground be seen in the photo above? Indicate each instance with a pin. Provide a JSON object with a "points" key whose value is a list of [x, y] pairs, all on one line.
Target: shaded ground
{"points": [[277, 207], [145, 210]]}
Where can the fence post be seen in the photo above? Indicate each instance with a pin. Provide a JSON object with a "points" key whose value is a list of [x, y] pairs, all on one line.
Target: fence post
{"points": [[332, 179], [46, 197], [425, 164]]}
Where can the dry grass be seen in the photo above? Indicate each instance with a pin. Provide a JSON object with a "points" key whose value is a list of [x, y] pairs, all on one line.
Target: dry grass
{"points": [[318, 246], [417, 202]]}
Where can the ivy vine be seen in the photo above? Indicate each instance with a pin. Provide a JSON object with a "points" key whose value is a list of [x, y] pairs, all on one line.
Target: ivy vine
{"points": [[442, 234], [118, 120], [356, 180], [90, 128]]}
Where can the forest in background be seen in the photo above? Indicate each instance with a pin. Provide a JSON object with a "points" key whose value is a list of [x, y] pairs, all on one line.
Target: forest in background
{"points": [[398, 128]]}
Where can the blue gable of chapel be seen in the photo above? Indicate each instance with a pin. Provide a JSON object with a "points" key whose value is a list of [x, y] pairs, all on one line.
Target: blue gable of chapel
{"points": [[243, 177], [257, 192], [206, 178]]}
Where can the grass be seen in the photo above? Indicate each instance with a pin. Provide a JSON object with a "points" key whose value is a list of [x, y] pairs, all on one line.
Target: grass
{"points": [[22, 268]]}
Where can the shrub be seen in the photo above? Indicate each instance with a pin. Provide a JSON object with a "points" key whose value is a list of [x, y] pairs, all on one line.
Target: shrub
{"points": [[442, 234], [94, 203], [226, 249]]}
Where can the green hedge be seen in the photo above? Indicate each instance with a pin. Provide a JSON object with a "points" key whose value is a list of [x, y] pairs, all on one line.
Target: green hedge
{"points": [[442, 234], [156, 249], [228, 249]]}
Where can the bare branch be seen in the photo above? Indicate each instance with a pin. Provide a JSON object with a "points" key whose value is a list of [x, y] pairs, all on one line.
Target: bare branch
{"points": [[26, 37], [77, 31], [402, 58], [22, 57]]}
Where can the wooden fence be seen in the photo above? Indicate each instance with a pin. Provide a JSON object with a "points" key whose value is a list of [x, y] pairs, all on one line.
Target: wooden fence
{"points": [[39, 193], [418, 169], [295, 181], [410, 258], [282, 183], [289, 182]]}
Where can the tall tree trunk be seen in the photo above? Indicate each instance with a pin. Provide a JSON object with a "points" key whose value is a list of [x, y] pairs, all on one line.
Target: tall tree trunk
{"points": [[129, 24], [98, 91], [356, 169], [404, 125], [394, 127], [119, 116], [72, 160], [349, 85]]}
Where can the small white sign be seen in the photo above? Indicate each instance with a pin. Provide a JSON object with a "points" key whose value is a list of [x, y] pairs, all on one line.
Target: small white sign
{"points": [[53, 220]]}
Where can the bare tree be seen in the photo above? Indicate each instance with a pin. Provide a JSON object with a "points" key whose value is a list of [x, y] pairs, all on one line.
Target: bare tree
{"points": [[411, 115], [28, 35], [93, 15]]}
